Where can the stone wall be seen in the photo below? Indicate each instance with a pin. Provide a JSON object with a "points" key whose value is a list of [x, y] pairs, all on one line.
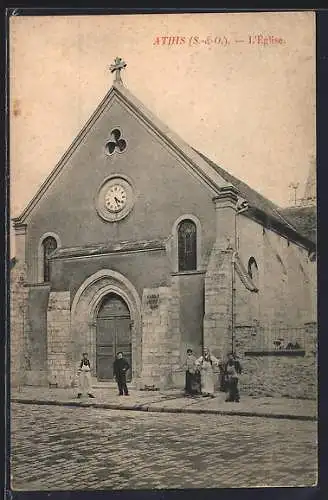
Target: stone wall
{"points": [[18, 312], [292, 375], [160, 342], [60, 364], [218, 290], [36, 335], [286, 376]]}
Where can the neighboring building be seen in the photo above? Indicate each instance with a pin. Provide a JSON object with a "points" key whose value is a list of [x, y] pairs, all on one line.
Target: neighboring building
{"points": [[130, 244]]}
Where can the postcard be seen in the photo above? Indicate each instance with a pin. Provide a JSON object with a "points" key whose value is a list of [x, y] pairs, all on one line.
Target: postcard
{"points": [[163, 328]]}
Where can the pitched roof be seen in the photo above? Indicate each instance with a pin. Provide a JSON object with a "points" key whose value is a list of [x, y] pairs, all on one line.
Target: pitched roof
{"points": [[254, 198], [304, 219], [199, 165], [260, 206]]}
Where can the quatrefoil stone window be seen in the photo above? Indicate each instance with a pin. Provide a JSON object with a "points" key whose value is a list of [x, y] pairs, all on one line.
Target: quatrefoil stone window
{"points": [[116, 142]]}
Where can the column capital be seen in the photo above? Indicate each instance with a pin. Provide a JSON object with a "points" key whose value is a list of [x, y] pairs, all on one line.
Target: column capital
{"points": [[20, 228], [227, 197]]}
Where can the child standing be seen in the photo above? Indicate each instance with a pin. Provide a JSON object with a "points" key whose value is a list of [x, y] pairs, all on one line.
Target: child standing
{"points": [[85, 377]]}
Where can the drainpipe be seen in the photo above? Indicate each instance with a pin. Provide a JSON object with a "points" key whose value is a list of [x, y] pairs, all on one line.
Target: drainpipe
{"points": [[233, 298], [241, 207]]}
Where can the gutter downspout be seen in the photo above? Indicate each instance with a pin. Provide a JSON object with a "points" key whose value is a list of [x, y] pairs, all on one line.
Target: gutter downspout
{"points": [[233, 276]]}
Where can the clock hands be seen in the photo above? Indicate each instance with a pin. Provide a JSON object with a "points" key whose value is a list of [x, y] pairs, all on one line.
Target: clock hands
{"points": [[115, 198], [118, 202]]}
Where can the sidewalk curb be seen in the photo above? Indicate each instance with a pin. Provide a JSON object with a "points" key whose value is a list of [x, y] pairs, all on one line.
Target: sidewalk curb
{"points": [[163, 409]]}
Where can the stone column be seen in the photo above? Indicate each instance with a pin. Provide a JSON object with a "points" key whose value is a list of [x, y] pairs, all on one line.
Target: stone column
{"points": [[60, 363], [218, 277]]}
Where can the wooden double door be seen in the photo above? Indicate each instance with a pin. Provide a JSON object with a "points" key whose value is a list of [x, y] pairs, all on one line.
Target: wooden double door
{"points": [[113, 336]]}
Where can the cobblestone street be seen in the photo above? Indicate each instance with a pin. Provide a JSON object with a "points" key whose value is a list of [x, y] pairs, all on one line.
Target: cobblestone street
{"points": [[60, 448]]}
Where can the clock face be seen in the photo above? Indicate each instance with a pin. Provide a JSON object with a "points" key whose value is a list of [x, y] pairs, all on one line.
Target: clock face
{"points": [[115, 198]]}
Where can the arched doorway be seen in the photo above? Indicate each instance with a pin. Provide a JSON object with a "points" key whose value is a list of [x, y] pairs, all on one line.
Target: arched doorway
{"points": [[113, 334]]}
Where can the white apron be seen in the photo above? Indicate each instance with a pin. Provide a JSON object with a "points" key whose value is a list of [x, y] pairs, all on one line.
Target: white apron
{"points": [[207, 373], [207, 377], [85, 380]]}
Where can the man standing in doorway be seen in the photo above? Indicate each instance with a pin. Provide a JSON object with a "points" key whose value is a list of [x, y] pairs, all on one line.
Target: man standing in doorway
{"points": [[121, 366]]}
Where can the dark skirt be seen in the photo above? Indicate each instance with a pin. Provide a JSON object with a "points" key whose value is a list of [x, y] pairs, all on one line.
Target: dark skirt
{"points": [[193, 385]]}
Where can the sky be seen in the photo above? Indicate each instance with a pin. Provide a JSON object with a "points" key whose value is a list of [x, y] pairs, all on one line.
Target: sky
{"points": [[247, 105]]}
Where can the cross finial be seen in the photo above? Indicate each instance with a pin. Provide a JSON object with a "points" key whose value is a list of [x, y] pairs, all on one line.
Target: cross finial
{"points": [[117, 66]]}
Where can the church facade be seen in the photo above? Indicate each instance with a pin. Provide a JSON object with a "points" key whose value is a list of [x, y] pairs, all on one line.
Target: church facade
{"points": [[138, 243]]}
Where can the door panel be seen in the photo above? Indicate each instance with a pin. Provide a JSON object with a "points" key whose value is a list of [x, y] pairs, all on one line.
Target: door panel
{"points": [[105, 348], [104, 367], [123, 341], [113, 335]]}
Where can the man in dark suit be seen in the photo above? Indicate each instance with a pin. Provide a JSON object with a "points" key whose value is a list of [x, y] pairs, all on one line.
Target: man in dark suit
{"points": [[120, 368]]}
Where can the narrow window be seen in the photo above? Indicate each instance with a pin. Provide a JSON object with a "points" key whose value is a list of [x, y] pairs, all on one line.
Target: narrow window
{"points": [[187, 245], [253, 270], [49, 245]]}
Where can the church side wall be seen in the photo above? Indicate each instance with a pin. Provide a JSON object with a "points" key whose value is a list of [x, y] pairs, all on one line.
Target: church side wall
{"points": [[286, 296], [284, 308]]}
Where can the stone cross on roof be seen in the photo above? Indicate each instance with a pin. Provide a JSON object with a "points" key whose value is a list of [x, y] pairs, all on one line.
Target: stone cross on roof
{"points": [[117, 66]]}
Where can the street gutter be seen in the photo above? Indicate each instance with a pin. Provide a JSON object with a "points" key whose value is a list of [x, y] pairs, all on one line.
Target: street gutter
{"points": [[162, 409]]}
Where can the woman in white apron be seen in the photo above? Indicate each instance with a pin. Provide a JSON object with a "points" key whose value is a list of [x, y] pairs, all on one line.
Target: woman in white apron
{"points": [[206, 365], [85, 377]]}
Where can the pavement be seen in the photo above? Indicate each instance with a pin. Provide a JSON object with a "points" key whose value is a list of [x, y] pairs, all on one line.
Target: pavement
{"points": [[170, 401], [64, 448]]}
